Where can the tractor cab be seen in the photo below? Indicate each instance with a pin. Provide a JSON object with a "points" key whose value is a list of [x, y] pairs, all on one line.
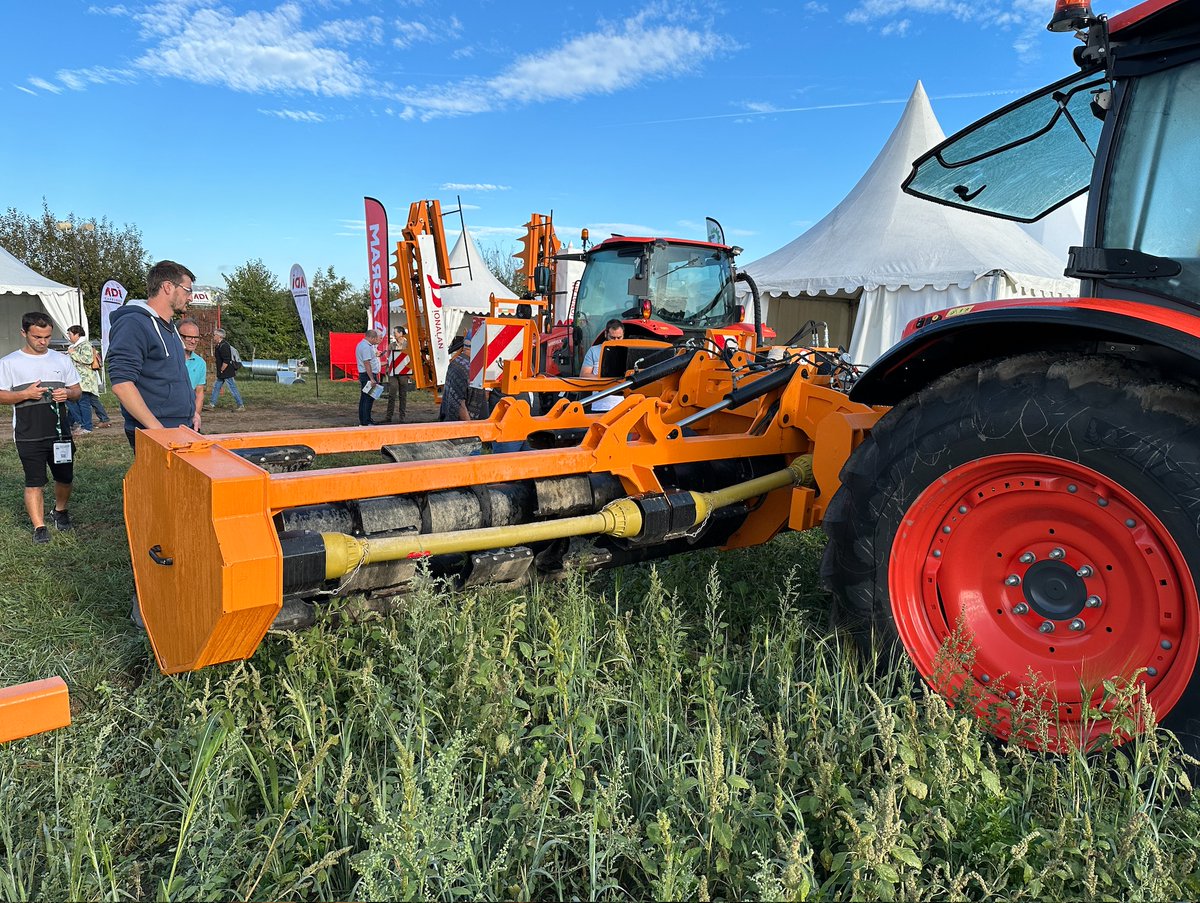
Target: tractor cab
{"points": [[666, 289]]}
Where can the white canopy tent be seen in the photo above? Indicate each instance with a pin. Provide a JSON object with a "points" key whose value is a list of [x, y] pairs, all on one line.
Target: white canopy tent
{"points": [[1060, 229], [23, 290], [882, 257]]}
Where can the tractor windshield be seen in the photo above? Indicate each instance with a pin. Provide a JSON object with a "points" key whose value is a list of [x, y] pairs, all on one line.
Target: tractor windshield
{"points": [[1022, 161], [687, 285]]}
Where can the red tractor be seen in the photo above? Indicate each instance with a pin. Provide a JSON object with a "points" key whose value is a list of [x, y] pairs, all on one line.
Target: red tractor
{"points": [[1036, 485]]}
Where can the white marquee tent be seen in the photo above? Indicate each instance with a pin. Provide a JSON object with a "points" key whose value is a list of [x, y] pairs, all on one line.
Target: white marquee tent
{"points": [[23, 290], [882, 257]]}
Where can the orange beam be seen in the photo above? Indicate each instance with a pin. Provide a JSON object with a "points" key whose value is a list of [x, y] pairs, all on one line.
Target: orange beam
{"points": [[34, 708]]}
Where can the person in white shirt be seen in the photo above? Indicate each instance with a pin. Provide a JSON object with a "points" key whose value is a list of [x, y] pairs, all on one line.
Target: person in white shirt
{"points": [[367, 358], [38, 383], [613, 330]]}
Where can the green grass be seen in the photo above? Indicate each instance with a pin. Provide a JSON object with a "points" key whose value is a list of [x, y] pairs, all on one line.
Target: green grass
{"points": [[692, 730]]}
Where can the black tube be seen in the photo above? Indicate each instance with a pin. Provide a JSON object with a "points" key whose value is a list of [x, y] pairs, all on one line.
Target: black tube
{"points": [[761, 386], [743, 276], [662, 369]]}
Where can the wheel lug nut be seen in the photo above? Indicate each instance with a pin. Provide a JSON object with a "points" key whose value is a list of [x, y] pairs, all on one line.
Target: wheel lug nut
{"points": [[1072, 488], [1012, 580], [1092, 602], [1131, 523], [985, 678], [1011, 694], [1057, 554], [945, 529], [1103, 503], [1020, 609], [1152, 672], [1085, 571], [1047, 627], [962, 509], [1028, 558], [1166, 644], [1077, 625]]}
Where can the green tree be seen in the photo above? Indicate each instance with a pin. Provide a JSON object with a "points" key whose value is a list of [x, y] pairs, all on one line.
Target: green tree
{"points": [[84, 252], [259, 314], [337, 307]]}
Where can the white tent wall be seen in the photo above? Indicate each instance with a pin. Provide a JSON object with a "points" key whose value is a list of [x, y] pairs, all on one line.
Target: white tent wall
{"points": [[23, 290]]}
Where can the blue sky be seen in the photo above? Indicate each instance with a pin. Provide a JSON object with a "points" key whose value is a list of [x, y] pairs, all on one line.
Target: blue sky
{"points": [[235, 129]]}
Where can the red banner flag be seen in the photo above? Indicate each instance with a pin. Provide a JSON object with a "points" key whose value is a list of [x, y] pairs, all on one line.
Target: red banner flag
{"points": [[377, 264]]}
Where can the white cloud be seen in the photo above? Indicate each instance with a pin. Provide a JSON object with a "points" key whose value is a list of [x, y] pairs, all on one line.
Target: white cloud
{"points": [[254, 52], [601, 62], [481, 233], [295, 115], [26, 90], [895, 18], [899, 29], [44, 85], [472, 186]]}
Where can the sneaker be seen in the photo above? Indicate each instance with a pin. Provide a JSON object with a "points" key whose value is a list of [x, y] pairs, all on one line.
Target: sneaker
{"points": [[103, 423], [62, 519], [81, 432], [241, 408], [211, 407], [41, 534]]}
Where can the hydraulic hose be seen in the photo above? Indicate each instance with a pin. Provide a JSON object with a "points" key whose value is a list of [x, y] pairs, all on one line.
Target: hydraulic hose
{"points": [[743, 276], [621, 519], [644, 377]]}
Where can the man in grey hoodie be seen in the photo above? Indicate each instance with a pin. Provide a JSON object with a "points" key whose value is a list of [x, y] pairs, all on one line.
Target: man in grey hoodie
{"points": [[146, 359]]}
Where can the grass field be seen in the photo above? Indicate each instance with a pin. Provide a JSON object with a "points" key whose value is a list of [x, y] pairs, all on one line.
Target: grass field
{"points": [[693, 730]]}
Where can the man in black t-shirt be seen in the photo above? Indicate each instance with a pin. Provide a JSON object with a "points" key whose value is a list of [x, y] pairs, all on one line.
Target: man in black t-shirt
{"points": [[38, 383]]}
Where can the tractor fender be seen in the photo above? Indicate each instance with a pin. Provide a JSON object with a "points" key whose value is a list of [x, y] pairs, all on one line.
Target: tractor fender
{"points": [[986, 334]]}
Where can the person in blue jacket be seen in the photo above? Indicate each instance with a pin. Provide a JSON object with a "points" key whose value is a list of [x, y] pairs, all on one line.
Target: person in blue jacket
{"points": [[146, 359]]}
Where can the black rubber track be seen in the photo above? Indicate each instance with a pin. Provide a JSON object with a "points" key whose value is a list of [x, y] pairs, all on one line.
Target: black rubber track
{"points": [[1028, 404]]}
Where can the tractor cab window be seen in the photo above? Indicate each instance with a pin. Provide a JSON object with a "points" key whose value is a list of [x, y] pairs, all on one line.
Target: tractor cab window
{"points": [[1023, 160], [1153, 204], [604, 289], [691, 286]]}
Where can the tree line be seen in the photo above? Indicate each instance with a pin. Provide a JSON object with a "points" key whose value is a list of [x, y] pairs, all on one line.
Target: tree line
{"points": [[257, 308]]}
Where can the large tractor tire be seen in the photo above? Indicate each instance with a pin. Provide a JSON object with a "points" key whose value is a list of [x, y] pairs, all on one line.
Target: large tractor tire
{"points": [[1032, 522]]}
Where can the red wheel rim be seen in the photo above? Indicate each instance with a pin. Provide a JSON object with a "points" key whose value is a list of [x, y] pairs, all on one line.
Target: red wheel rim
{"points": [[1009, 544]]}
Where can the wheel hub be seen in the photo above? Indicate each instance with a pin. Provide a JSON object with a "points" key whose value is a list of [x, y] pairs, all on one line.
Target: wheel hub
{"points": [[1054, 590]]}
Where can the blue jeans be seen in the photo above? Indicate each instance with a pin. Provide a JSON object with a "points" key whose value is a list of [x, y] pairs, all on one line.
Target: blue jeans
{"points": [[233, 390], [365, 401], [81, 410]]}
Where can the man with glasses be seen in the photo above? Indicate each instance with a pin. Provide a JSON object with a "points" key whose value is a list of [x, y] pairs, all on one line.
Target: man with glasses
{"points": [[189, 334], [146, 359]]}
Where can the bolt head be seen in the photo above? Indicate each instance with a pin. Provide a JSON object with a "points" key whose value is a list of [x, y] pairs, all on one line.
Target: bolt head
{"points": [[1092, 602], [1072, 488], [1012, 580], [1047, 627], [1152, 672], [1057, 554], [1020, 609], [1103, 503], [945, 529], [937, 553], [1077, 625], [1085, 571], [1166, 644], [1028, 558], [962, 509], [985, 678], [1011, 694]]}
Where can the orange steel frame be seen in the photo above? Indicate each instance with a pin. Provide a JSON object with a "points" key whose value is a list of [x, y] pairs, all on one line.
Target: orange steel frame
{"points": [[190, 499]]}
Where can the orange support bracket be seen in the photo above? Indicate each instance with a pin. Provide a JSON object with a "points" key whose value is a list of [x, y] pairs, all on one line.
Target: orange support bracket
{"points": [[33, 708]]}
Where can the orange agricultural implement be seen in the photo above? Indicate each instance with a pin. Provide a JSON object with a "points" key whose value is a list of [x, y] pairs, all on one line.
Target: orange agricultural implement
{"points": [[33, 708]]}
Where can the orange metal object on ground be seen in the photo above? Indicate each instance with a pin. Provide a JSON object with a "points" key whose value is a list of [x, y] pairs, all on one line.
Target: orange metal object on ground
{"points": [[34, 708]]}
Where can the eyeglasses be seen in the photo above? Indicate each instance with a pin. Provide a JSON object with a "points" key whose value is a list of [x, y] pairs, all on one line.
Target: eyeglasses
{"points": [[193, 338], [186, 288]]}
